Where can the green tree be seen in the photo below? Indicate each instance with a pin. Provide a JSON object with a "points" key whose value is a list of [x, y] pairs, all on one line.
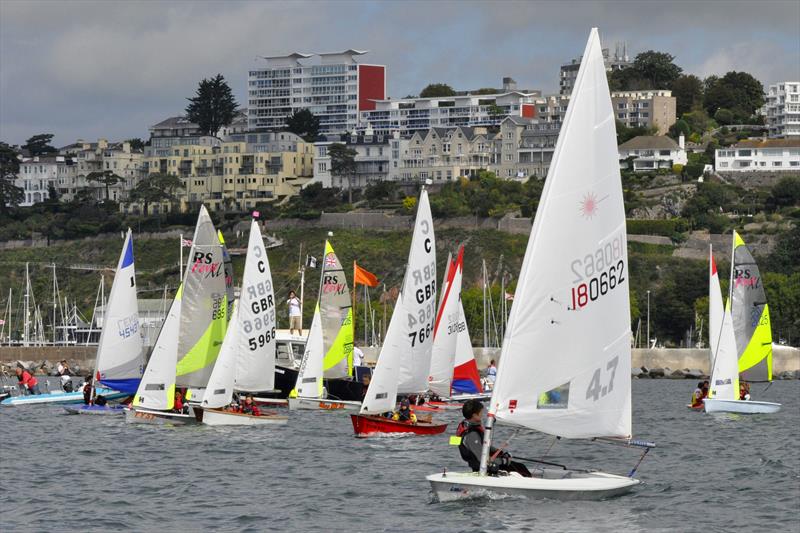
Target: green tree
{"points": [[625, 133], [136, 143], [486, 90], [495, 110], [658, 68], [10, 194], [724, 116], [39, 145], [156, 188], [437, 89], [304, 124], [737, 91], [785, 193], [343, 164], [680, 127], [688, 92], [213, 105], [107, 178]]}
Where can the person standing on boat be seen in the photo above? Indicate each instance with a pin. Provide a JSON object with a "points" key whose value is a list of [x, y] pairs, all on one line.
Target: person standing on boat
{"points": [[295, 316], [470, 431], [358, 356], [491, 372], [27, 381]]}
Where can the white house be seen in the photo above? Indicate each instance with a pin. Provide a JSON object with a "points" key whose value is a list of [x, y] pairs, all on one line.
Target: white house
{"points": [[764, 155], [782, 109], [652, 153]]}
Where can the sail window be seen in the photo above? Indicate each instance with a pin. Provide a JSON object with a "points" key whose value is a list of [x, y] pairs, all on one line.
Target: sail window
{"points": [[154, 386], [381, 396], [557, 398], [309, 380]]}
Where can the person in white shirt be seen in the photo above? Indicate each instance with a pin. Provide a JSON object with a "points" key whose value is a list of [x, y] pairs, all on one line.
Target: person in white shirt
{"points": [[358, 356], [295, 317]]}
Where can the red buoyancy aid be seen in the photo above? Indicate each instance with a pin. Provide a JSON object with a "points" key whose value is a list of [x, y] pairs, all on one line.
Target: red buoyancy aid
{"points": [[178, 402], [27, 379]]}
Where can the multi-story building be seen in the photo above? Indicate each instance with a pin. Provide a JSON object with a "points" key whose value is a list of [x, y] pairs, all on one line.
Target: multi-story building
{"points": [[569, 72], [37, 175], [239, 172], [651, 152], [377, 159], [766, 155], [409, 115], [645, 109], [782, 110], [92, 160], [333, 86]]}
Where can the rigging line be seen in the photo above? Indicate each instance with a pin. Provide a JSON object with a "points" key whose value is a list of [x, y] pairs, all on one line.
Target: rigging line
{"points": [[506, 443], [547, 451]]}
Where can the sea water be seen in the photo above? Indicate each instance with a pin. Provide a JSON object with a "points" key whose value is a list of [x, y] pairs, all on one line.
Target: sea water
{"points": [[84, 473]]}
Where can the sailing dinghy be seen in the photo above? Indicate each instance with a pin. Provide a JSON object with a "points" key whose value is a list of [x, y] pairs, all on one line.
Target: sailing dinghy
{"points": [[120, 352], [190, 338], [566, 357], [246, 361], [405, 359], [743, 336]]}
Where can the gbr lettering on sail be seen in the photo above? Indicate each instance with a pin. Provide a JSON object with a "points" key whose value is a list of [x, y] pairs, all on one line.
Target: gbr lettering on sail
{"points": [[423, 282]]}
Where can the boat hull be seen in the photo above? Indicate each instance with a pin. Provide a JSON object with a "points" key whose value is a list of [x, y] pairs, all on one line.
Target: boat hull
{"points": [[96, 410], [338, 388], [151, 416], [447, 406], [552, 484], [745, 407], [319, 404], [59, 398], [369, 426], [219, 417]]}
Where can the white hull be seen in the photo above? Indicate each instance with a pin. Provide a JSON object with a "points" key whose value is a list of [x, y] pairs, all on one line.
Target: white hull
{"points": [[551, 483], [271, 402], [214, 417], [746, 407], [151, 416], [319, 404]]}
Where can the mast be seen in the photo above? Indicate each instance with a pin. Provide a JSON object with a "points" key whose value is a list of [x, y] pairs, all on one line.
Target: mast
{"points": [[27, 310], [54, 304], [730, 280], [485, 331]]}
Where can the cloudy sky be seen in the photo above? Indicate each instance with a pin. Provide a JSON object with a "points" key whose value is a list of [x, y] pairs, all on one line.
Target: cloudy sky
{"points": [[110, 69]]}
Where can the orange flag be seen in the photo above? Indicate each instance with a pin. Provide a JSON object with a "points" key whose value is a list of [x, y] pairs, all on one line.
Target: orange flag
{"points": [[363, 277]]}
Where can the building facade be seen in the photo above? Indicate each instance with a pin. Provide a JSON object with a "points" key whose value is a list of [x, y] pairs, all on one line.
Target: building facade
{"points": [[377, 159], [94, 159], [236, 173], [333, 86], [38, 175], [649, 153], [782, 110], [765, 155], [569, 72]]}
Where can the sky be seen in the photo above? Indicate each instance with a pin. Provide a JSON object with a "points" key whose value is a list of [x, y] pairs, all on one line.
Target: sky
{"points": [[111, 69]]}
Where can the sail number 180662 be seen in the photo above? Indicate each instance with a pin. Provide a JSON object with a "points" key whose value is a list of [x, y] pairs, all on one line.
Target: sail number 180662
{"points": [[598, 273]]}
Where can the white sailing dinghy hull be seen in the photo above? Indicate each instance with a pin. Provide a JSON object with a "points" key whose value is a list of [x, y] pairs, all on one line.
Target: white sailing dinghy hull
{"points": [[215, 417], [552, 484], [152, 416], [745, 407], [321, 404]]}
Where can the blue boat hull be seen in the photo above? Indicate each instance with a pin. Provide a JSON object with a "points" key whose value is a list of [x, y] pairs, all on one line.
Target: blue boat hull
{"points": [[59, 398]]}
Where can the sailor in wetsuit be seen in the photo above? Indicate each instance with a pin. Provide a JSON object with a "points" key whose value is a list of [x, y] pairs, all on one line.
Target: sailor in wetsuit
{"points": [[471, 432]]}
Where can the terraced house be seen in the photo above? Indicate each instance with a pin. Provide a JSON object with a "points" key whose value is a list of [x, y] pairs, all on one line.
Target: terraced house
{"points": [[235, 173]]}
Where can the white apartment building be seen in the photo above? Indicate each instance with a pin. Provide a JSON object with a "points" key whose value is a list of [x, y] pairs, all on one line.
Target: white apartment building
{"points": [[650, 152], [569, 72], [782, 110], [408, 115], [333, 86], [765, 155], [88, 158], [377, 158], [38, 174]]}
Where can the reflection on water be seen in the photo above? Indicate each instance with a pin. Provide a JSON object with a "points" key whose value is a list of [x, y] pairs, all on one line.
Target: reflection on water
{"points": [[66, 472]]}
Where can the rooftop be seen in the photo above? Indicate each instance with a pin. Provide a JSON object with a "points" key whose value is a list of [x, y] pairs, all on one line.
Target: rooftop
{"points": [[649, 142], [768, 143]]}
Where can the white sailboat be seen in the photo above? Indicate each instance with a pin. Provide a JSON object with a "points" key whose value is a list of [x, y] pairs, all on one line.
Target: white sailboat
{"points": [[724, 395], [565, 361], [246, 361], [120, 352], [405, 357], [190, 338], [446, 328]]}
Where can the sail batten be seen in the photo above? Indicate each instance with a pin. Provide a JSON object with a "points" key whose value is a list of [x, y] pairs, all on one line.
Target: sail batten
{"points": [[565, 363]]}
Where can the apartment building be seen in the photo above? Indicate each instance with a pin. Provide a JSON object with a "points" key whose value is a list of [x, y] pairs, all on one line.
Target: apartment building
{"points": [[335, 87], [236, 173], [569, 72], [782, 110], [37, 175], [652, 152], [93, 159], [409, 115], [765, 155], [377, 159]]}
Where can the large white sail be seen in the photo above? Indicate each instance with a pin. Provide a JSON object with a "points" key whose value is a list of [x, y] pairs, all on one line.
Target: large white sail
{"points": [[446, 330], [309, 378], [716, 309], [120, 355], [204, 307], [337, 317], [405, 357], [219, 390], [565, 363], [157, 388], [255, 321]]}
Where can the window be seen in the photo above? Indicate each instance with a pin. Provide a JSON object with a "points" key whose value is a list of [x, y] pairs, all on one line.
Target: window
{"points": [[776, 163], [723, 164], [745, 153]]}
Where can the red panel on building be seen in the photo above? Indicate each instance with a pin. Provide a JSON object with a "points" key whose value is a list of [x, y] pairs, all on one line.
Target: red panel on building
{"points": [[371, 86], [528, 110]]}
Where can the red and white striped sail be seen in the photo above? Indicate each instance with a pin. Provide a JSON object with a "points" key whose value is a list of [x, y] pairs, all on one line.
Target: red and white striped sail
{"points": [[446, 329]]}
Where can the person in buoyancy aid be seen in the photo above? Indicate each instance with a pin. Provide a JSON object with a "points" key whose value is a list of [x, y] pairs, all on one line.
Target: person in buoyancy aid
{"points": [[697, 395], [470, 430], [27, 383], [180, 406], [404, 414], [249, 407], [87, 391]]}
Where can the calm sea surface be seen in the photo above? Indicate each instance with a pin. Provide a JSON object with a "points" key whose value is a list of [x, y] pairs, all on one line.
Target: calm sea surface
{"points": [[709, 473]]}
